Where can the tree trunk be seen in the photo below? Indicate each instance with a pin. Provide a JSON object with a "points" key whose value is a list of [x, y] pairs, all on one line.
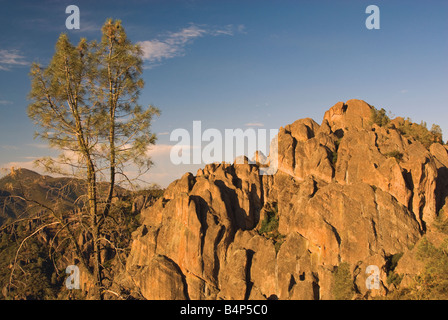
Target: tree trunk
{"points": [[91, 180]]}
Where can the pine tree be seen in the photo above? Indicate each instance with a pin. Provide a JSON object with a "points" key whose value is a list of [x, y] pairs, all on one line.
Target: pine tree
{"points": [[85, 103]]}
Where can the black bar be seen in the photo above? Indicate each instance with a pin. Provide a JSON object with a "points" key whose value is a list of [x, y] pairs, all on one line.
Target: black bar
{"points": [[223, 309]]}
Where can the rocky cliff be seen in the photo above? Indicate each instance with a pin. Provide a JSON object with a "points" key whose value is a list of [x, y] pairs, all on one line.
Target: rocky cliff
{"points": [[347, 191]]}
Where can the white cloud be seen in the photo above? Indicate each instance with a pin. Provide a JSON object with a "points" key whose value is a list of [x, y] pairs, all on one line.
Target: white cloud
{"points": [[155, 50], [9, 58], [39, 145], [159, 150], [173, 44], [164, 150], [30, 165], [254, 124], [87, 26], [9, 147], [163, 172], [69, 164], [241, 29]]}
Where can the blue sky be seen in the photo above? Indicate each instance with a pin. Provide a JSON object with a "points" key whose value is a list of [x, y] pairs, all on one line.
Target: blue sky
{"points": [[236, 64]]}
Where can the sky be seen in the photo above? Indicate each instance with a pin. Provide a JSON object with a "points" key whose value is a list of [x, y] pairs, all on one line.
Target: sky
{"points": [[238, 64]]}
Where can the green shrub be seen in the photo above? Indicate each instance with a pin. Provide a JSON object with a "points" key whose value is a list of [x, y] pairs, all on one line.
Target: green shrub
{"points": [[334, 154], [432, 282], [420, 132], [394, 260], [269, 226], [394, 278], [395, 154], [441, 223], [379, 117], [32, 276], [270, 223], [408, 128], [334, 157], [343, 288]]}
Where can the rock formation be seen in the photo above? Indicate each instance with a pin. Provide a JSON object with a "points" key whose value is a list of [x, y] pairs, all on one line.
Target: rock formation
{"points": [[347, 191]]}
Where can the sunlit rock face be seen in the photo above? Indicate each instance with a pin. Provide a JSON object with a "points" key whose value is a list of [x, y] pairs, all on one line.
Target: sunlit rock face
{"points": [[341, 194]]}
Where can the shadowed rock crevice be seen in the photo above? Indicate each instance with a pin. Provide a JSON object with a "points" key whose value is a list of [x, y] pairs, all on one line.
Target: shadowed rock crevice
{"points": [[249, 257], [184, 281], [292, 283], [441, 188], [201, 210], [218, 239], [316, 287]]}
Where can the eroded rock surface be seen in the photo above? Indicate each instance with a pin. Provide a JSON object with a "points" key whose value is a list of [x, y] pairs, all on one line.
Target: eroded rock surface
{"points": [[340, 195]]}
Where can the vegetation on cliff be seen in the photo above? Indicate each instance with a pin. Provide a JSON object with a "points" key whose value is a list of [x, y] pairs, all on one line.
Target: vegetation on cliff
{"points": [[407, 128], [269, 226]]}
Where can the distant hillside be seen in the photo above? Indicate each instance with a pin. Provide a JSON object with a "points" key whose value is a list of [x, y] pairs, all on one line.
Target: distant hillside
{"points": [[41, 261], [44, 189], [41, 188]]}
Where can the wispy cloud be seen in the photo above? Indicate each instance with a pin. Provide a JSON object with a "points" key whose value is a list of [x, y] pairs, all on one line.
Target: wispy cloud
{"points": [[88, 26], [9, 147], [173, 44], [164, 171], [39, 145], [30, 165], [159, 150], [254, 124], [10, 58]]}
